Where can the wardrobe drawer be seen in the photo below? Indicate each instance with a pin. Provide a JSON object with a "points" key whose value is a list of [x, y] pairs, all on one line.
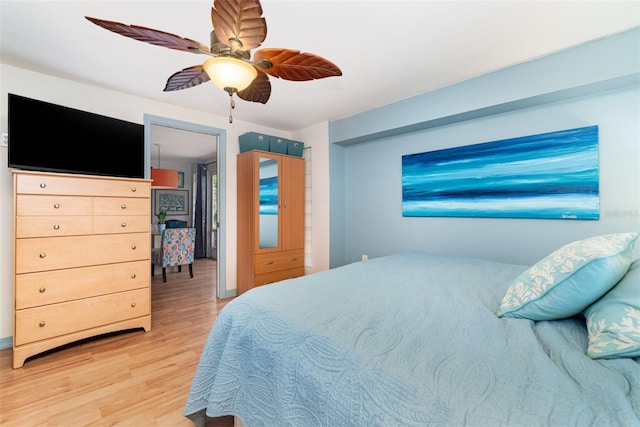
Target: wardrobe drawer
{"points": [[52, 205], [121, 224], [49, 287], [81, 185], [265, 263], [276, 276], [34, 324], [45, 226], [53, 253], [121, 206]]}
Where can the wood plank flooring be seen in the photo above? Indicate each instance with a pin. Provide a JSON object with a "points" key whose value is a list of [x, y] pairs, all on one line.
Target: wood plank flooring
{"points": [[134, 378]]}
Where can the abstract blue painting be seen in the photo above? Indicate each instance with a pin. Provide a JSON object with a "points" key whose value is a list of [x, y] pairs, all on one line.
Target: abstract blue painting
{"points": [[269, 196], [549, 175]]}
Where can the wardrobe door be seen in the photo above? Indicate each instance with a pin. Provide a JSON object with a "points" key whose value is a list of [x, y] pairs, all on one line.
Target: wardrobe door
{"points": [[292, 203]]}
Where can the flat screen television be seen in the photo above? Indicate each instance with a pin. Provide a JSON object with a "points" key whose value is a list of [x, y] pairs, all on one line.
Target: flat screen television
{"points": [[49, 137]]}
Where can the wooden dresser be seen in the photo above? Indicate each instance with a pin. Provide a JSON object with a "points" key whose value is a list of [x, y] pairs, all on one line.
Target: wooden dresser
{"points": [[270, 218], [82, 258]]}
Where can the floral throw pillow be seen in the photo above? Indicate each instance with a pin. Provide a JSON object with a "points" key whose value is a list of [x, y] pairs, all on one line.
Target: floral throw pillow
{"points": [[570, 279], [614, 321]]}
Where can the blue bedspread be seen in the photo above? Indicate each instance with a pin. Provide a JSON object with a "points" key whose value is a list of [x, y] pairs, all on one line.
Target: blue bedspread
{"points": [[405, 340]]}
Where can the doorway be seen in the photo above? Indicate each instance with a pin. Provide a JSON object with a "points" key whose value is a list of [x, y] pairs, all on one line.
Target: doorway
{"points": [[218, 141]]}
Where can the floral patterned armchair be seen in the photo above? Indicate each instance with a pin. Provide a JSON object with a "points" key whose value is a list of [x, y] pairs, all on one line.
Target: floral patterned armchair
{"points": [[176, 249]]}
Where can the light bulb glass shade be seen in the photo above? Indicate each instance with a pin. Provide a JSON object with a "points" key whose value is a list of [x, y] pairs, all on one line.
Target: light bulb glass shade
{"points": [[164, 178], [227, 72]]}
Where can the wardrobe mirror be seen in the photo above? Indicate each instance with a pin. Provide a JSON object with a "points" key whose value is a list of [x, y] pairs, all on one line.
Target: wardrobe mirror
{"points": [[268, 195]]}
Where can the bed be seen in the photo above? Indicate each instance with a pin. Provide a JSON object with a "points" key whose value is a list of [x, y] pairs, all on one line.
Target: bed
{"points": [[419, 339]]}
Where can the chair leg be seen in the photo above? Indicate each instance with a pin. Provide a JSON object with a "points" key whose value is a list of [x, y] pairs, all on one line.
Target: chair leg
{"points": [[179, 269], [164, 274], [191, 270]]}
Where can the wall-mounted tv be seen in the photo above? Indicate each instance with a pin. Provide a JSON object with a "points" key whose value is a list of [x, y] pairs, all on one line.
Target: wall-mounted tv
{"points": [[49, 137]]}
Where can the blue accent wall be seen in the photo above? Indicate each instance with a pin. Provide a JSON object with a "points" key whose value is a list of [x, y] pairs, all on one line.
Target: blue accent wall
{"points": [[337, 204], [597, 83]]}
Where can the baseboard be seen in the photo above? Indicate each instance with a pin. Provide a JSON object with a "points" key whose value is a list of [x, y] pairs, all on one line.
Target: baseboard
{"points": [[228, 293], [6, 342]]}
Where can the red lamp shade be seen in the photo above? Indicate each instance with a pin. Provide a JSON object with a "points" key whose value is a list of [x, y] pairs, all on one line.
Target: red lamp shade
{"points": [[164, 178]]}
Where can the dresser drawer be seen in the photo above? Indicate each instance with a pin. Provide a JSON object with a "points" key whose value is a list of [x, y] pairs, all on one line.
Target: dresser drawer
{"points": [[53, 253], [276, 276], [48, 287], [34, 324], [265, 263], [44, 226], [121, 206], [81, 185], [121, 224], [27, 204]]}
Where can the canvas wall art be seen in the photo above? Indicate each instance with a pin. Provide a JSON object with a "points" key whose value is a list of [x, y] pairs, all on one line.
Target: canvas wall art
{"points": [[549, 175]]}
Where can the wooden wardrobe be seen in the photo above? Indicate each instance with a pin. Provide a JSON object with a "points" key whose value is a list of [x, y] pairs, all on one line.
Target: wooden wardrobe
{"points": [[270, 218]]}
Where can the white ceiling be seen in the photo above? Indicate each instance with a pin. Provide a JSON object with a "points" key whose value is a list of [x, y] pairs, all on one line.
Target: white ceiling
{"points": [[387, 50]]}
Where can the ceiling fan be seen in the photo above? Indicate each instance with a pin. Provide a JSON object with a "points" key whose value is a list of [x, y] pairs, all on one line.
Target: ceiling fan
{"points": [[238, 27]]}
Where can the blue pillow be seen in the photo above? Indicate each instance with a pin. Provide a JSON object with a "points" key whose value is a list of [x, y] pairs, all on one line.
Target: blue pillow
{"points": [[570, 279], [614, 321]]}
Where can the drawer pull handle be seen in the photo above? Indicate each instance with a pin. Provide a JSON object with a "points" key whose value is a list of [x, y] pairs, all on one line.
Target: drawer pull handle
{"points": [[56, 205], [41, 324], [43, 185], [123, 225], [123, 206], [268, 262], [133, 304], [133, 247], [42, 290], [133, 189], [293, 259], [56, 227], [133, 276], [42, 255]]}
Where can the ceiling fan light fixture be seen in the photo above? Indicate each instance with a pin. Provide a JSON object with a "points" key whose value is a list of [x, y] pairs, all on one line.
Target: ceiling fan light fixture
{"points": [[230, 74]]}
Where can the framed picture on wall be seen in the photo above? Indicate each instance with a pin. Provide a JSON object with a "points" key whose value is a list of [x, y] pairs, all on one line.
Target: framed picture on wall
{"points": [[180, 179], [175, 202]]}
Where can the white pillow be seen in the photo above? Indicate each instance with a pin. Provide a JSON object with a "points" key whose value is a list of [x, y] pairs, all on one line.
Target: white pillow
{"points": [[614, 321]]}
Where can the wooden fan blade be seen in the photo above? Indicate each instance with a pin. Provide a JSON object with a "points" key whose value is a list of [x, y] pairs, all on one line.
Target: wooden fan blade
{"points": [[239, 23], [292, 65], [189, 77], [154, 37], [258, 91]]}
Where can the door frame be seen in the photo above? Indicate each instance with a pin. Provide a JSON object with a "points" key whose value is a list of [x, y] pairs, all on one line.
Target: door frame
{"points": [[221, 156]]}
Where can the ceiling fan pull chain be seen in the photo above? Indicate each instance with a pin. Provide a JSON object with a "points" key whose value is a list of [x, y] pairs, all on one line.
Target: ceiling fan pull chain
{"points": [[232, 105]]}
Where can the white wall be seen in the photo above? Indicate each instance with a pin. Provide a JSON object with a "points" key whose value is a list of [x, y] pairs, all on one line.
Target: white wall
{"points": [[121, 106], [317, 138]]}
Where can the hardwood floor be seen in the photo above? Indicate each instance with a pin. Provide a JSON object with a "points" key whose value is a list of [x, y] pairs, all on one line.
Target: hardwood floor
{"points": [[134, 378]]}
